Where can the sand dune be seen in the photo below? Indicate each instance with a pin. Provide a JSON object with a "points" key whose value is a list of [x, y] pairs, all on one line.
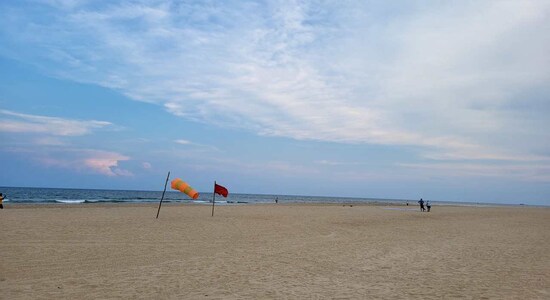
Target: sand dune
{"points": [[273, 251]]}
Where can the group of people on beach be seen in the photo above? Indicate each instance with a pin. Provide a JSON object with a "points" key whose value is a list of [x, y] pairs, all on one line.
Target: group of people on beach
{"points": [[425, 203]]}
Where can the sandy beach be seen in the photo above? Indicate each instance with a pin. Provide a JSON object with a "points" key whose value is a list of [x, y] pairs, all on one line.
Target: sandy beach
{"points": [[273, 252]]}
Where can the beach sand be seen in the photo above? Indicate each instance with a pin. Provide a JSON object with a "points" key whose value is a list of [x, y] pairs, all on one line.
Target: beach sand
{"points": [[273, 251]]}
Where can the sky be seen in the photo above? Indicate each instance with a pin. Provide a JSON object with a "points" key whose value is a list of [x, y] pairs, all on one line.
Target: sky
{"points": [[444, 100]]}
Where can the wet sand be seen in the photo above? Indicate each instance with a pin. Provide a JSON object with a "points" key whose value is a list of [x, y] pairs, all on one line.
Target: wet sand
{"points": [[273, 251]]}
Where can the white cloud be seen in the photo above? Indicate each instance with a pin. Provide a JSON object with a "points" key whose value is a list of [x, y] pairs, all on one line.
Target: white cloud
{"points": [[24, 123], [48, 141], [197, 146], [336, 163], [274, 168], [182, 142], [534, 172], [457, 79]]}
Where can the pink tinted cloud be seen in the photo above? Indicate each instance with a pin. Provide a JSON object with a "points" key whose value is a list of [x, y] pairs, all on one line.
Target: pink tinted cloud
{"points": [[95, 161], [107, 164]]}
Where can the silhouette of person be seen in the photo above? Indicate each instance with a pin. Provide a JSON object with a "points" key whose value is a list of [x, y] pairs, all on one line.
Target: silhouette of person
{"points": [[421, 202]]}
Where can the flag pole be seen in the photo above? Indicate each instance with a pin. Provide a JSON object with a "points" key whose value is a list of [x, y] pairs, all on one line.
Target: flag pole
{"points": [[160, 203], [213, 198]]}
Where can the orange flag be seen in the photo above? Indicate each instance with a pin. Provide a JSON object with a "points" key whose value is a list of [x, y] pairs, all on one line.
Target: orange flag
{"points": [[182, 186]]}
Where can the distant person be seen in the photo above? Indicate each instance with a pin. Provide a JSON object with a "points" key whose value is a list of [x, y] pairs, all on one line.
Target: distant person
{"points": [[276, 199], [421, 202], [1, 199], [428, 205]]}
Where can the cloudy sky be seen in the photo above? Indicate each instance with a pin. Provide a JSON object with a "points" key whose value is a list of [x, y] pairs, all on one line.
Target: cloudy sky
{"points": [[445, 100]]}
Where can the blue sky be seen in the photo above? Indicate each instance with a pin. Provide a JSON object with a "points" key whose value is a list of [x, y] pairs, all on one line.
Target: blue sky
{"points": [[445, 100]]}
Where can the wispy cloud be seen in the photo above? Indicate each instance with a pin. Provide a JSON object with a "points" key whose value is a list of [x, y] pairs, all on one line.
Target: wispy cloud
{"points": [[24, 123], [336, 163], [533, 172], [196, 145], [271, 168], [453, 78], [182, 142]]}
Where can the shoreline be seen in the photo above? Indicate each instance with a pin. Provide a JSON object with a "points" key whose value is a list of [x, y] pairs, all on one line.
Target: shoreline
{"points": [[19, 205], [73, 195]]}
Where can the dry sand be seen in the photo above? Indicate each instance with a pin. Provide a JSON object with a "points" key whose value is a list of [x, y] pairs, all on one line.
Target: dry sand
{"points": [[273, 251]]}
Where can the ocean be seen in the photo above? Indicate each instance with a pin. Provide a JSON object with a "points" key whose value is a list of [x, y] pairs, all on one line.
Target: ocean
{"points": [[84, 196], [24, 195]]}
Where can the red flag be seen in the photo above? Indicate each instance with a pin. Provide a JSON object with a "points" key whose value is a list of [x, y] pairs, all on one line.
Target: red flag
{"points": [[220, 190]]}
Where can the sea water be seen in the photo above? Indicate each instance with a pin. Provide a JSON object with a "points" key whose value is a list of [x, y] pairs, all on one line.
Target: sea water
{"points": [[84, 196]]}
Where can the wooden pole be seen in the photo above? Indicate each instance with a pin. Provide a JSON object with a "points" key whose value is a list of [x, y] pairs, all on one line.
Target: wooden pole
{"points": [[158, 211], [213, 198]]}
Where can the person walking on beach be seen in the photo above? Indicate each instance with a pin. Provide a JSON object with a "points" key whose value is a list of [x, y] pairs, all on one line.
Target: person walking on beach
{"points": [[428, 205], [1, 199], [421, 202]]}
